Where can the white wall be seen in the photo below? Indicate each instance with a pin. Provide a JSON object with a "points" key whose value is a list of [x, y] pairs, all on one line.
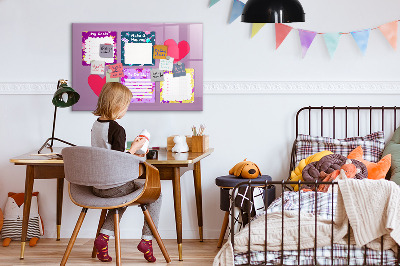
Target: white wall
{"points": [[36, 47]]}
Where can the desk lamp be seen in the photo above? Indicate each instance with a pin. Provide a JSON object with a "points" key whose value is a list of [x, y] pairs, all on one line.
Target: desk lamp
{"points": [[64, 97], [273, 11]]}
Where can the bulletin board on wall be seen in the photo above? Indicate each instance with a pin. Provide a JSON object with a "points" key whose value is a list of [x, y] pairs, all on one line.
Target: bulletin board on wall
{"points": [[161, 63]]}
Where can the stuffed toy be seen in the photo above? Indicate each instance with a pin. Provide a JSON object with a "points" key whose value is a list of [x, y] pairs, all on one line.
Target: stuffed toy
{"points": [[13, 215], [245, 169], [1, 220], [296, 174], [375, 170], [180, 144]]}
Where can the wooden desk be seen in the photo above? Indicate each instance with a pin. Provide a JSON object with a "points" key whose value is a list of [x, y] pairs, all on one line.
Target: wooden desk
{"points": [[171, 167]]}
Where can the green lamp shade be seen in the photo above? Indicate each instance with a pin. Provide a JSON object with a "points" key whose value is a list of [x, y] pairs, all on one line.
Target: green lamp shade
{"points": [[65, 96]]}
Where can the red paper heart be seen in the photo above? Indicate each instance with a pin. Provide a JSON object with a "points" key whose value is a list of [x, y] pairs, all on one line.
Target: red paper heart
{"points": [[177, 51], [96, 83]]}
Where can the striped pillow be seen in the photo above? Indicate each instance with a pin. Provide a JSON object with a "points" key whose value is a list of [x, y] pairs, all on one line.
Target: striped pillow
{"points": [[372, 145], [13, 228]]}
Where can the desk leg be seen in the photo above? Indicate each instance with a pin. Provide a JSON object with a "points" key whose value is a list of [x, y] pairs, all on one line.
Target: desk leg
{"points": [[176, 182], [27, 206], [60, 190], [199, 204]]}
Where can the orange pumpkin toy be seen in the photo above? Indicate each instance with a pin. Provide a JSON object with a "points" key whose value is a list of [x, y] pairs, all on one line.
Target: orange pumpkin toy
{"points": [[245, 169]]}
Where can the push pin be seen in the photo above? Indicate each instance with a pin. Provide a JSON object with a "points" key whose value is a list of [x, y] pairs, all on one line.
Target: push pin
{"points": [[168, 57], [179, 63]]}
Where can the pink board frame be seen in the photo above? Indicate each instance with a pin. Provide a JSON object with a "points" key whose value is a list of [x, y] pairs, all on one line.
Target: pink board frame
{"points": [[190, 32]]}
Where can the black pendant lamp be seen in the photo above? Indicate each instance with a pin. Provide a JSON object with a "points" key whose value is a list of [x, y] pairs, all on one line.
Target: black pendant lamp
{"points": [[273, 11]]}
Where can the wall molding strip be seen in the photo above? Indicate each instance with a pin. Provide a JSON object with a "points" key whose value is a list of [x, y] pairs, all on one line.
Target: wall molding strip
{"points": [[243, 87]]}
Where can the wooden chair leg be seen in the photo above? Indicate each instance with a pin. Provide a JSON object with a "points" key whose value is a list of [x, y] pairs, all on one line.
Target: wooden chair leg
{"points": [[223, 229], [154, 230], [73, 237], [117, 238], [101, 222]]}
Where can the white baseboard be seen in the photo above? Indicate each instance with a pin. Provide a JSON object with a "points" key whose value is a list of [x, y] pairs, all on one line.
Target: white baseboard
{"points": [[243, 87]]}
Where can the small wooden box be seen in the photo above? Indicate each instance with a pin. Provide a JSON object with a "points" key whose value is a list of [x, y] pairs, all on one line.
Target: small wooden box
{"points": [[200, 143], [171, 143]]}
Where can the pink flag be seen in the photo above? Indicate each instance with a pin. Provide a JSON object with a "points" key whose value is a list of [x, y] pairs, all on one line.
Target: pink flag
{"points": [[389, 30], [306, 39], [281, 31]]}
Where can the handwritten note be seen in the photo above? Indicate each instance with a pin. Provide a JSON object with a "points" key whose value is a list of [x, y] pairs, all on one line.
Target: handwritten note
{"points": [[106, 50], [166, 64], [179, 70], [157, 75], [97, 67], [160, 51], [117, 71]]}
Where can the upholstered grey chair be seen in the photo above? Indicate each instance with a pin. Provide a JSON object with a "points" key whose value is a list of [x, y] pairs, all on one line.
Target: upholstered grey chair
{"points": [[85, 167]]}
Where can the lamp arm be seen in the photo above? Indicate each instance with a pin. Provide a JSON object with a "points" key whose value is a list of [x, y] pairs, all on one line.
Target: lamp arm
{"points": [[54, 126]]}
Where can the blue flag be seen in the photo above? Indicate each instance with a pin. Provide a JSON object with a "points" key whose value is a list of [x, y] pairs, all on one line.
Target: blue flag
{"points": [[361, 38], [332, 41], [213, 2], [237, 9]]}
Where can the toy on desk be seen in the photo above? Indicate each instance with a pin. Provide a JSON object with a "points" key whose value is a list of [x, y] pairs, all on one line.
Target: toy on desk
{"points": [[144, 134], [180, 144], [245, 169], [13, 215]]}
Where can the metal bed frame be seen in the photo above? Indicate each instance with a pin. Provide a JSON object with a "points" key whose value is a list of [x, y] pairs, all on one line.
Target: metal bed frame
{"points": [[284, 184]]}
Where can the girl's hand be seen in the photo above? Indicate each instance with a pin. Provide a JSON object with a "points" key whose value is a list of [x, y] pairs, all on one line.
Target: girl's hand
{"points": [[137, 144], [142, 155]]}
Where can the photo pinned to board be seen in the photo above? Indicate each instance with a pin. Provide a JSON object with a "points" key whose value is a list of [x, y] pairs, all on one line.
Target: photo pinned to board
{"points": [[97, 67], [177, 90], [157, 75], [138, 81], [91, 43], [166, 64], [137, 48], [179, 70], [160, 51]]}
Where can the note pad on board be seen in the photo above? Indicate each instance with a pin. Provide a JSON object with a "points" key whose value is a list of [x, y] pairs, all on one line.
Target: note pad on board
{"points": [[177, 89]]}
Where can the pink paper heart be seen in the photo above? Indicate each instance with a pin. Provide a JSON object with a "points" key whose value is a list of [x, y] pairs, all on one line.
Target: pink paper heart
{"points": [[177, 51], [96, 83]]}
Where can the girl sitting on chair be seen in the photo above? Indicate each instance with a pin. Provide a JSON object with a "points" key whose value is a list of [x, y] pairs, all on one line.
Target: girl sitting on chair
{"points": [[106, 133]]}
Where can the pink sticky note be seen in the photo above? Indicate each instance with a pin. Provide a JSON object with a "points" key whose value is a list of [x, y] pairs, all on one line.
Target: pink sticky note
{"points": [[117, 71]]}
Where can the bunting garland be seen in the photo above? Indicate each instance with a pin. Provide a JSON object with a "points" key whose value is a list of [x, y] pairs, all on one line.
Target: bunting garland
{"points": [[361, 37]]}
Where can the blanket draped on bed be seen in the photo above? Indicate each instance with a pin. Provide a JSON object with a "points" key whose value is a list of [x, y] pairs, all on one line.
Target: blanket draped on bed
{"points": [[371, 206]]}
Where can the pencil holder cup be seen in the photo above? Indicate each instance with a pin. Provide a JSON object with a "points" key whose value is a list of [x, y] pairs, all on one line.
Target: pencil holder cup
{"points": [[200, 143]]}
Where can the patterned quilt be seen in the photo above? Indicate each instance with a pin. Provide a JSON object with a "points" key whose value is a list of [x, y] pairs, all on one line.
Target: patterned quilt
{"points": [[321, 205]]}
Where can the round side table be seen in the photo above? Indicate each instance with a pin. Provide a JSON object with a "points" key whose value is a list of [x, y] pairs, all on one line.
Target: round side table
{"points": [[226, 183]]}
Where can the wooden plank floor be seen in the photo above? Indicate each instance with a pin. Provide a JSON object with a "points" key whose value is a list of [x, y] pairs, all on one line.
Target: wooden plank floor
{"points": [[50, 252]]}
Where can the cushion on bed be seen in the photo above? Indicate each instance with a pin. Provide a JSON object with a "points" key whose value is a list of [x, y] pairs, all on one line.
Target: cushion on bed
{"points": [[393, 148], [375, 170], [372, 144]]}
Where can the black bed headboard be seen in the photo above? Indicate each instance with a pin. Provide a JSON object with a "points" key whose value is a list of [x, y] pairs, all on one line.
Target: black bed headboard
{"points": [[344, 121]]}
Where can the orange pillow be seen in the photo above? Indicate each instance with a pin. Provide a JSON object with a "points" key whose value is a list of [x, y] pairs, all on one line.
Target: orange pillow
{"points": [[375, 170]]}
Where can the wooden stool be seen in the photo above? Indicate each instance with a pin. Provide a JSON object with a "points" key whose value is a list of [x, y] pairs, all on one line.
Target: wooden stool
{"points": [[226, 183]]}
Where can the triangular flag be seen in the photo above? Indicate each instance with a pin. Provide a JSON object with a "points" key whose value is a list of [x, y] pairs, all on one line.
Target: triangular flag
{"points": [[281, 31], [213, 2], [361, 37], [256, 27], [332, 41], [390, 32], [237, 9], [306, 39]]}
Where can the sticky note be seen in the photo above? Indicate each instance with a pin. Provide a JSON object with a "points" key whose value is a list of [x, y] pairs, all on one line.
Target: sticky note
{"points": [[157, 75], [117, 70], [106, 51], [160, 51], [110, 79], [97, 67], [179, 70], [166, 64]]}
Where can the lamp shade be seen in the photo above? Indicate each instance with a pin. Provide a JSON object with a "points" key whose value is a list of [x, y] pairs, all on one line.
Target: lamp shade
{"points": [[65, 96], [273, 11]]}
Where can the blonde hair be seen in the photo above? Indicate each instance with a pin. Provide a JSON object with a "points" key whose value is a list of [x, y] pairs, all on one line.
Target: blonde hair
{"points": [[112, 99]]}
